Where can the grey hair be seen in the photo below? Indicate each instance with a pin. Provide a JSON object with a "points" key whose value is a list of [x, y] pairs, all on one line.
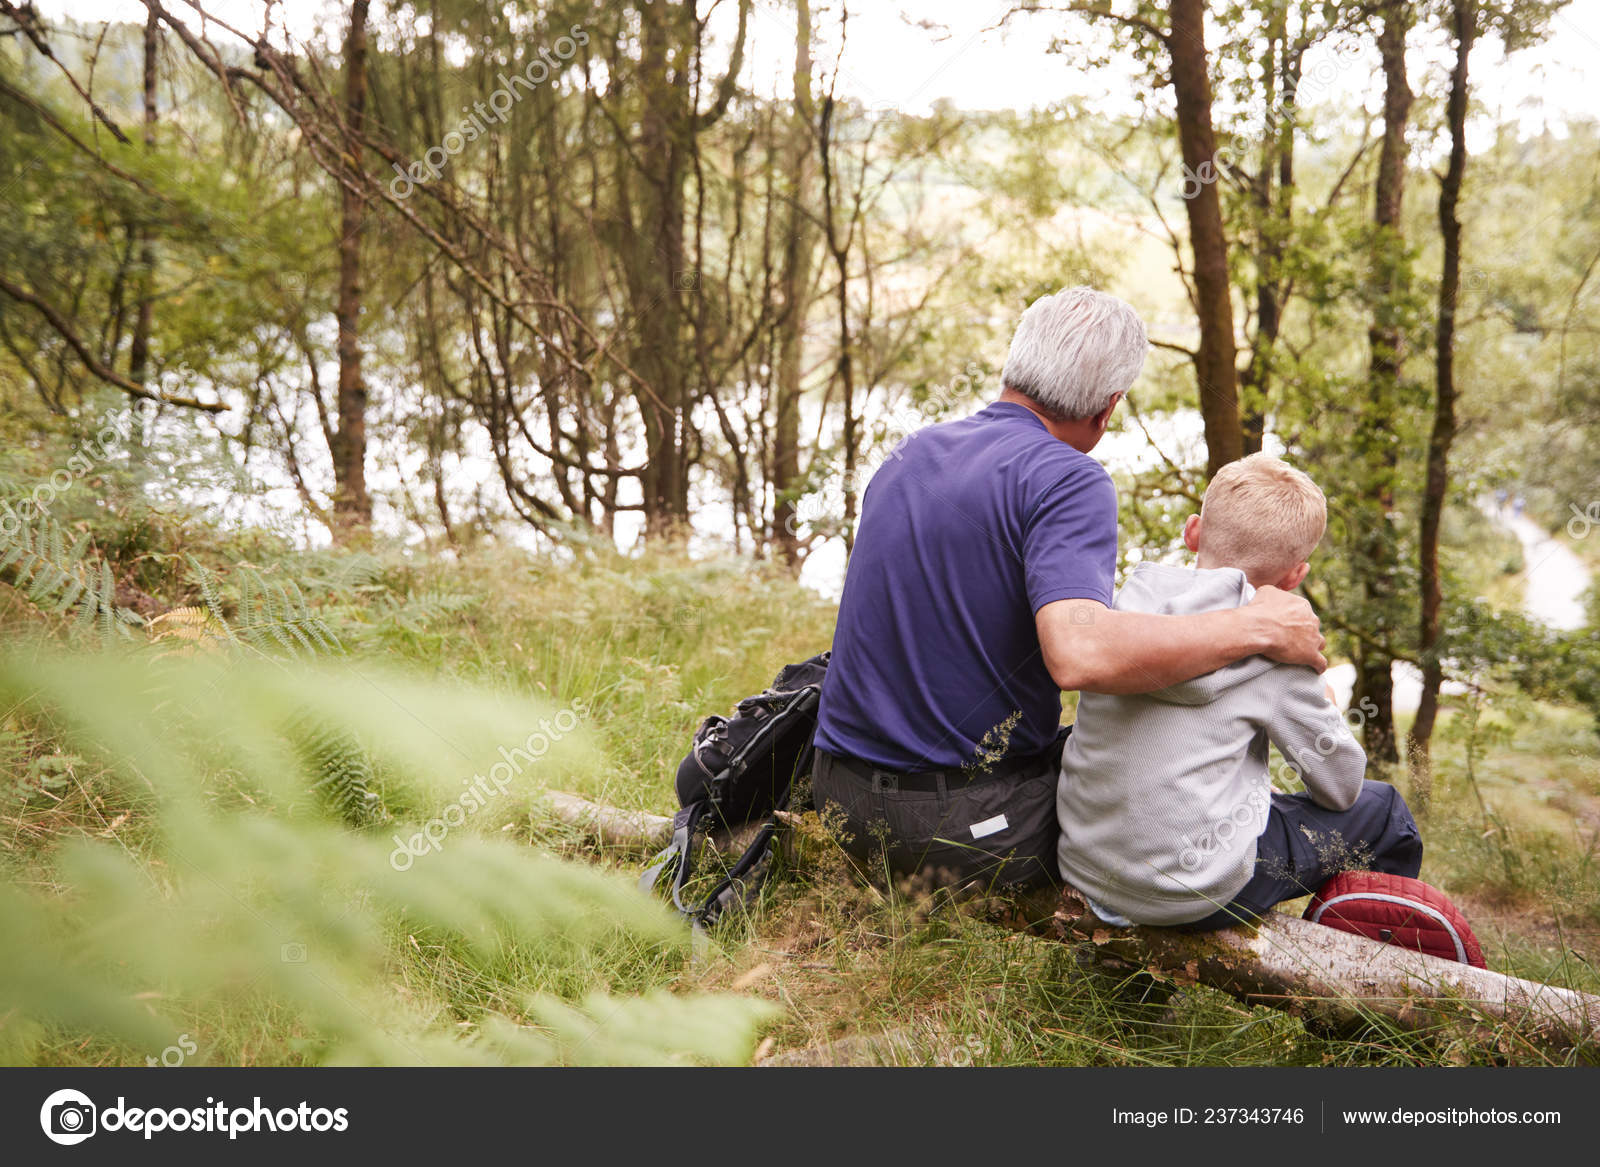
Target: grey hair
{"points": [[1074, 350]]}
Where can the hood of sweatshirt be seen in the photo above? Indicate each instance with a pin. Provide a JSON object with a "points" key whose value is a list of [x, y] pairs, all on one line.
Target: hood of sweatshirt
{"points": [[1168, 590]]}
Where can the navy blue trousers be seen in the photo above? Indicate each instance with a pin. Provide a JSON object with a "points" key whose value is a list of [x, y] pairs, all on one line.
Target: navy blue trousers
{"points": [[1305, 845]]}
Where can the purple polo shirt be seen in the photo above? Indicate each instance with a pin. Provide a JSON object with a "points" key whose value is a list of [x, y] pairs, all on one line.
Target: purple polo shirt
{"points": [[967, 529]]}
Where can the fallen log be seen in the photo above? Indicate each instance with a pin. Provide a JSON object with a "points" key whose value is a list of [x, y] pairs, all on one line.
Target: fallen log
{"points": [[1322, 975], [609, 826], [1338, 979]]}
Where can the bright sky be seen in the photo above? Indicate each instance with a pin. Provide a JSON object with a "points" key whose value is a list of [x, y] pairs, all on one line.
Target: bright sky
{"points": [[907, 55]]}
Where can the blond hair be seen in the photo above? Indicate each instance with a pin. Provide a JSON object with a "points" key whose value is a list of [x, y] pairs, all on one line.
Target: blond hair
{"points": [[1262, 516]]}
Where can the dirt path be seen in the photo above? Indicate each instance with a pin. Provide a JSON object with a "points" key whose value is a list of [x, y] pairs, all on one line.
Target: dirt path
{"points": [[1554, 581]]}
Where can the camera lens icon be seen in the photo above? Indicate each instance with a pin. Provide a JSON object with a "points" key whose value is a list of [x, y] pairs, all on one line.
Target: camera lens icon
{"points": [[292, 954], [68, 1117]]}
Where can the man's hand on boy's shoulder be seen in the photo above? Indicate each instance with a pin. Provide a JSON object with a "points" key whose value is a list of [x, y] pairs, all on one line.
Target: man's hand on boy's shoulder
{"points": [[1288, 629]]}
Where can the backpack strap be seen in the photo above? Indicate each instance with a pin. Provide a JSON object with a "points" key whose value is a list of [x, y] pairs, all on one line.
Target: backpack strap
{"points": [[712, 906], [678, 854], [718, 899]]}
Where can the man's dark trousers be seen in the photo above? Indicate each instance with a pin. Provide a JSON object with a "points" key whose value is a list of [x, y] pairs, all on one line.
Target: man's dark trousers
{"points": [[950, 826]]}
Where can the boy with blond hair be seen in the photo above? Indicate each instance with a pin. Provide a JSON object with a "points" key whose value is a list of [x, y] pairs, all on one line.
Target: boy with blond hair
{"points": [[1166, 807]]}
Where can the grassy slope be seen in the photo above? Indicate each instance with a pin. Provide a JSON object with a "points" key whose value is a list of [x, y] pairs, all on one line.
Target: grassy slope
{"points": [[654, 645]]}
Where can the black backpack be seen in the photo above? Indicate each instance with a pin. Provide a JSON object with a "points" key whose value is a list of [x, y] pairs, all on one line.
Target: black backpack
{"points": [[740, 769]]}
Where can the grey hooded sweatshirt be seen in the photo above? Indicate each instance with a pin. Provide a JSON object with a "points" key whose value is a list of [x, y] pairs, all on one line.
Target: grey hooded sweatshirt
{"points": [[1163, 795]]}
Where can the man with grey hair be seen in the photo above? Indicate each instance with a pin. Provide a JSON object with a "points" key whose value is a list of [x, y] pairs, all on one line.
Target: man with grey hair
{"points": [[1075, 354], [979, 588]]}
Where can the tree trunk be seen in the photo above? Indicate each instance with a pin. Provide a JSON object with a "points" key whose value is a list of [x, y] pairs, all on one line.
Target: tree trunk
{"points": [[844, 366], [660, 275], [352, 507], [1214, 360], [1274, 198], [1377, 441], [659, 278], [144, 322], [1419, 742], [795, 288]]}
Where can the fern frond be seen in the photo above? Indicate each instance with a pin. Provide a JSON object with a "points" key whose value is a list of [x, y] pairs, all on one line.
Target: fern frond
{"points": [[69, 596], [271, 618], [342, 770], [421, 610], [277, 616], [57, 572], [105, 601], [193, 627]]}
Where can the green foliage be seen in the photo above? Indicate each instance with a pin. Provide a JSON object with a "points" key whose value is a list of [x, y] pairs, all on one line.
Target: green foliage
{"points": [[1487, 643], [347, 778], [271, 616], [275, 619], [57, 572], [252, 917]]}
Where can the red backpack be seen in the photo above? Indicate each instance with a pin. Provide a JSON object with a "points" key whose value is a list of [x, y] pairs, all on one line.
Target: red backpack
{"points": [[1395, 910]]}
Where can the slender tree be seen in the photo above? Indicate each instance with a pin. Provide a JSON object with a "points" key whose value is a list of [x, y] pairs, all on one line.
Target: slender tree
{"points": [[1182, 43], [144, 320], [1464, 21], [352, 505], [1214, 359], [653, 206], [798, 236], [839, 238], [1377, 440]]}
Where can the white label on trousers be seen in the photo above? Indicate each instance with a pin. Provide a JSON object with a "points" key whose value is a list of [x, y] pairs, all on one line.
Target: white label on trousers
{"points": [[989, 826]]}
